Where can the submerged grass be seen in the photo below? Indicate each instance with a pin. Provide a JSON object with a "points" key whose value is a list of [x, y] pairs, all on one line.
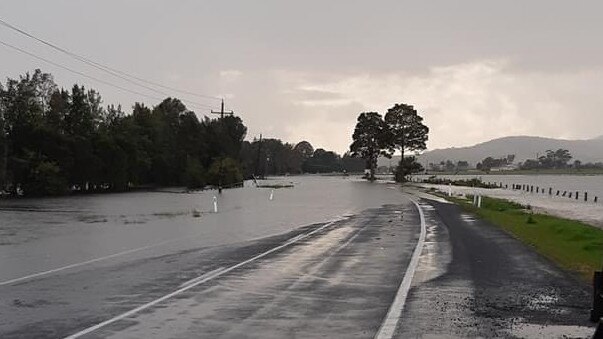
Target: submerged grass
{"points": [[276, 186], [574, 245]]}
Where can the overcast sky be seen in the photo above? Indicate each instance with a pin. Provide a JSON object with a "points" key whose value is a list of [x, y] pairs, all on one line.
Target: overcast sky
{"points": [[475, 70]]}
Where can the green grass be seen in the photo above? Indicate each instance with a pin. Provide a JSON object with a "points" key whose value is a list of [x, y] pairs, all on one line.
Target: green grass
{"points": [[573, 245]]}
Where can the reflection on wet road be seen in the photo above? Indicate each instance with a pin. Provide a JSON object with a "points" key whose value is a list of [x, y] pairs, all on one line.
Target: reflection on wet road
{"points": [[254, 272], [324, 280]]}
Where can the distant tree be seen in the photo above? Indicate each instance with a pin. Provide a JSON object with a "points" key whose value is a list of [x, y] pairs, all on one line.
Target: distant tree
{"points": [[352, 164], [370, 140], [551, 159], [577, 164], [561, 158], [224, 172], [194, 176], [54, 140], [462, 165], [530, 164], [323, 161], [450, 166], [488, 163], [305, 149], [408, 133]]}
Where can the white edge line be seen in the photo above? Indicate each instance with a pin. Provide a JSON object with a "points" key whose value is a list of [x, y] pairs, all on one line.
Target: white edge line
{"points": [[199, 282], [390, 322]]}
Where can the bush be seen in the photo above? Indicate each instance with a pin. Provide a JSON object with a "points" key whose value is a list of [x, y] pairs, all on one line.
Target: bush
{"points": [[194, 175], [225, 171], [45, 179]]}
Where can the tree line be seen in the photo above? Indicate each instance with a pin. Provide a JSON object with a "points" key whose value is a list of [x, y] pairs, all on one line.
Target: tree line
{"points": [[57, 141], [551, 159], [557, 159], [401, 129]]}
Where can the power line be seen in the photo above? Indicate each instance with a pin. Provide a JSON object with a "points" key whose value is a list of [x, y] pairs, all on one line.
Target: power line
{"points": [[92, 77], [115, 72]]}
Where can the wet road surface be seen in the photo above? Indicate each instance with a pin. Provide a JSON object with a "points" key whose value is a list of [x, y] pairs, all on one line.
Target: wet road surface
{"points": [[475, 280], [336, 279]]}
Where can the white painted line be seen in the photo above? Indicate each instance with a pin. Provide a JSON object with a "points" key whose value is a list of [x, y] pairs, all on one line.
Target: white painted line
{"points": [[39, 274], [198, 282], [389, 324], [203, 276]]}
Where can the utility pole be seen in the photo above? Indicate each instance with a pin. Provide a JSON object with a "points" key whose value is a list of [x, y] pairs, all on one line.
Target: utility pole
{"points": [[257, 163], [221, 173], [221, 112]]}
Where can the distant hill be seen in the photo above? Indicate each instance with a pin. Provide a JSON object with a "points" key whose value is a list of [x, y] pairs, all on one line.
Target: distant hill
{"points": [[524, 147]]}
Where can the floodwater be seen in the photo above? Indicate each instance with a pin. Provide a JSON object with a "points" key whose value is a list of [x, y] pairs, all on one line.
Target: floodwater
{"points": [[566, 207], [593, 184], [38, 235]]}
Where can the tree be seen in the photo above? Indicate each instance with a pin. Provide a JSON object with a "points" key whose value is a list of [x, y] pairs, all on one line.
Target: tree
{"points": [[224, 172], [408, 133], [407, 167], [305, 149], [194, 177], [323, 161], [370, 140], [352, 164], [462, 165], [577, 164]]}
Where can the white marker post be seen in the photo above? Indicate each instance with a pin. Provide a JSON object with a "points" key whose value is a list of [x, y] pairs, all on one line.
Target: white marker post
{"points": [[479, 201], [215, 204], [271, 194], [449, 189]]}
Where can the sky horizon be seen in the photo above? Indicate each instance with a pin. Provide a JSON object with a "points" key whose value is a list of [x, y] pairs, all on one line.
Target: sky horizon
{"points": [[475, 71]]}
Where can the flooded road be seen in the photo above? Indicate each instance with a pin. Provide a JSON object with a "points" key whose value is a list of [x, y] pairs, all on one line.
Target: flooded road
{"points": [[332, 257], [40, 235]]}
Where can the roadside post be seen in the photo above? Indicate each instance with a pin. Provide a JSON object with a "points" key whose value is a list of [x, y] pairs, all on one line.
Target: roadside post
{"points": [[597, 311], [215, 204]]}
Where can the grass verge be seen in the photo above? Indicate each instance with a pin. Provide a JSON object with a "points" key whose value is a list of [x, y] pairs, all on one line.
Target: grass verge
{"points": [[573, 245]]}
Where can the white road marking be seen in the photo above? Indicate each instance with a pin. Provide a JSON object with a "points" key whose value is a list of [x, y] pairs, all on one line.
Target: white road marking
{"points": [[389, 324], [39, 274], [203, 276], [198, 282]]}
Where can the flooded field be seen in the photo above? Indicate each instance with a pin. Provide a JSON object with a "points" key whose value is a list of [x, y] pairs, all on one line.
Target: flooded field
{"points": [[566, 207], [43, 234], [593, 184]]}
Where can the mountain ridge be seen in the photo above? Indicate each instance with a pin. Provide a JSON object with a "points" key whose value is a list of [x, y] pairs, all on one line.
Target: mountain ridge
{"points": [[524, 147]]}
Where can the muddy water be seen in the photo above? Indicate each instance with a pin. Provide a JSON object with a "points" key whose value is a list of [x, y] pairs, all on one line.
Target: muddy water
{"points": [[37, 235]]}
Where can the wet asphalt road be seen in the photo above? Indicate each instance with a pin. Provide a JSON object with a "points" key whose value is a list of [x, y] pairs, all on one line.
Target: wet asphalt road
{"points": [[325, 280], [475, 280]]}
